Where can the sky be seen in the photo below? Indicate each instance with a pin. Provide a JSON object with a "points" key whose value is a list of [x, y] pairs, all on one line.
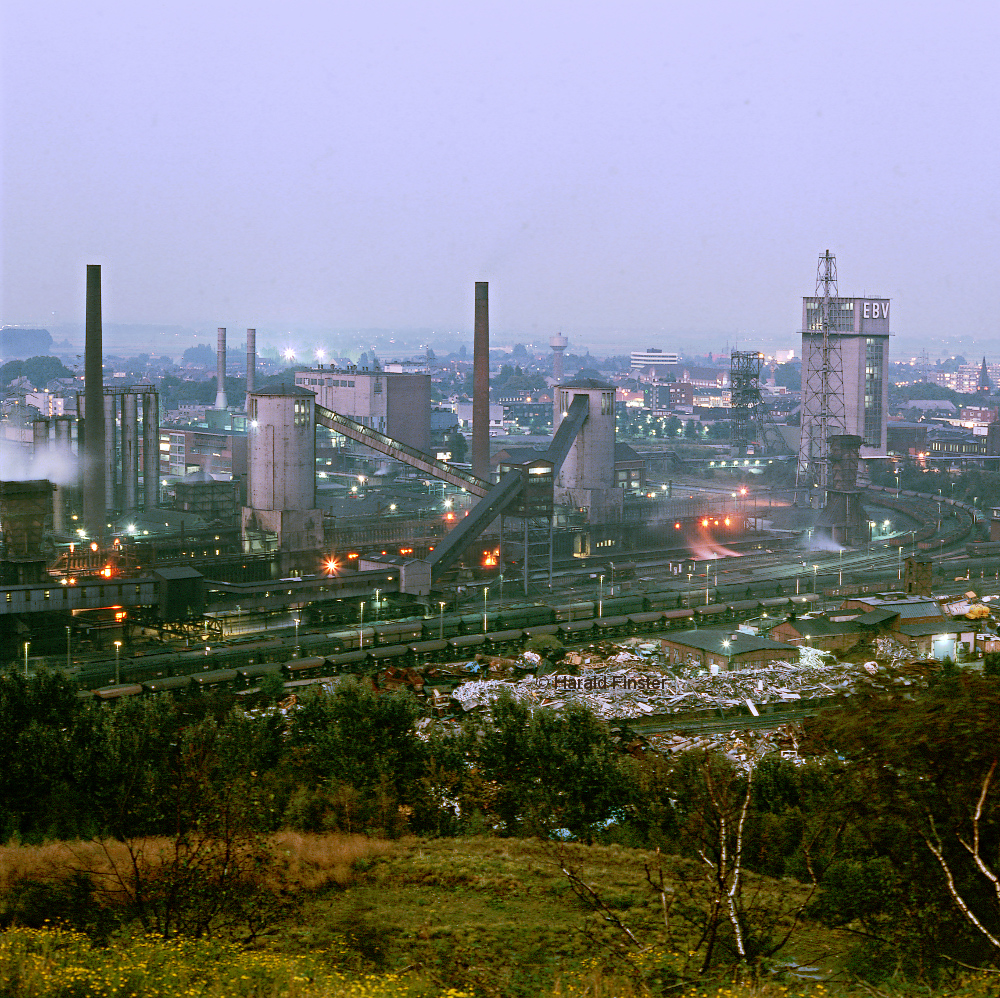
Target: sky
{"points": [[633, 174]]}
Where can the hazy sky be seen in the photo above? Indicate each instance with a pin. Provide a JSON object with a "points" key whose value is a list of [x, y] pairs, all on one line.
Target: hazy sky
{"points": [[627, 167]]}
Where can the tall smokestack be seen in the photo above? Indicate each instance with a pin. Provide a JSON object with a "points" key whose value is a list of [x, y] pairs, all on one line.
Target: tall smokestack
{"points": [[94, 511], [481, 384], [220, 371], [251, 360]]}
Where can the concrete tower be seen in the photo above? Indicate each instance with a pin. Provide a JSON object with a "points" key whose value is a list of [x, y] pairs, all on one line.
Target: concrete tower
{"points": [[220, 370], [481, 384], [94, 509], [281, 474], [558, 344], [586, 479], [251, 361]]}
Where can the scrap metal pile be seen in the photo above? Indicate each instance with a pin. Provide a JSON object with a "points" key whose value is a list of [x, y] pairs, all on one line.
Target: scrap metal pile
{"points": [[628, 680]]}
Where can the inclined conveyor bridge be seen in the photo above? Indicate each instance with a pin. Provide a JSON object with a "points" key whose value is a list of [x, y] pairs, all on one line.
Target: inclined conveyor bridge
{"points": [[493, 499]]}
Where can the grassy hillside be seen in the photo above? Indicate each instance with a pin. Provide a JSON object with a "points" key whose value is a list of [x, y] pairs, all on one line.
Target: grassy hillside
{"points": [[454, 917]]}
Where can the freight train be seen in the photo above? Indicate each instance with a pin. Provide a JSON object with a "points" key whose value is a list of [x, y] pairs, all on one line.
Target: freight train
{"points": [[446, 637]]}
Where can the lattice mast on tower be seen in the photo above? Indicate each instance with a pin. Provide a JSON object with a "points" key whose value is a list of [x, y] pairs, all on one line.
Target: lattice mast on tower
{"points": [[823, 409]]}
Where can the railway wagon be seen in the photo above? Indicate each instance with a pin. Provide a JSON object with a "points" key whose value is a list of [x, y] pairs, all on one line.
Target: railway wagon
{"points": [[421, 652], [121, 692], [678, 619], [663, 599], [576, 630], [612, 626], [713, 613], [215, 681], [582, 610], [400, 633], [304, 668], [347, 661], [621, 606], [745, 607], [526, 615], [441, 627], [169, 684], [649, 620], [472, 623], [393, 654], [552, 630], [466, 644], [351, 639], [504, 642], [251, 675]]}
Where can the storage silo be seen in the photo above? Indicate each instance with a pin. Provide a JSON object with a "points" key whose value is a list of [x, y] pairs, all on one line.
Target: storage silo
{"points": [[281, 473], [587, 476]]}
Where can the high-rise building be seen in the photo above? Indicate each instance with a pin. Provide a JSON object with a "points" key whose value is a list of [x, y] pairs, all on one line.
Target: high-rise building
{"points": [[845, 386], [652, 357]]}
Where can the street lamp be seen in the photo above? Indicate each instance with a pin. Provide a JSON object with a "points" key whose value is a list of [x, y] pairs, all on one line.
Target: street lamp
{"points": [[441, 618], [27, 645], [69, 661], [815, 567], [486, 590], [118, 650], [377, 591], [361, 627], [297, 619], [600, 601], [899, 562], [239, 619], [840, 576]]}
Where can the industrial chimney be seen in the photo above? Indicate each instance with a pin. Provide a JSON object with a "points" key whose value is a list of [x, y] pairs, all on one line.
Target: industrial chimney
{"points": [[481, 384], [94, 511], [220, 371], [558, 344], [251, 360]]}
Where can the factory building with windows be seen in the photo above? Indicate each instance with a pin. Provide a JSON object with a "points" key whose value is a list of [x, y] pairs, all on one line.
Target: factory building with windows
{"points": [[395, 403]]}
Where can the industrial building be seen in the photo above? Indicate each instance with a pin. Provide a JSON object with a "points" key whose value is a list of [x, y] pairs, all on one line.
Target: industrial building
{"points": [[396, 404], [845, 388]]}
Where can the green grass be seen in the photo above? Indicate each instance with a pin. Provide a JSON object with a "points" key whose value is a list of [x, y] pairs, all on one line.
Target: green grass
{"points": [[482, 916]]}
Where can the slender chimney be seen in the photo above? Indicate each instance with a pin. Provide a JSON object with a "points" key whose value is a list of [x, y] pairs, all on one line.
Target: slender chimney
{"points": [[481, 384], [94, 511], [220, 371], [251, 360]]}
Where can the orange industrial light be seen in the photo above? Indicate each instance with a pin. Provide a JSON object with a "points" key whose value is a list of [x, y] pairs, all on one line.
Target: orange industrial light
{"points": [[677, 526], [704, 523], [727, 521]]}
